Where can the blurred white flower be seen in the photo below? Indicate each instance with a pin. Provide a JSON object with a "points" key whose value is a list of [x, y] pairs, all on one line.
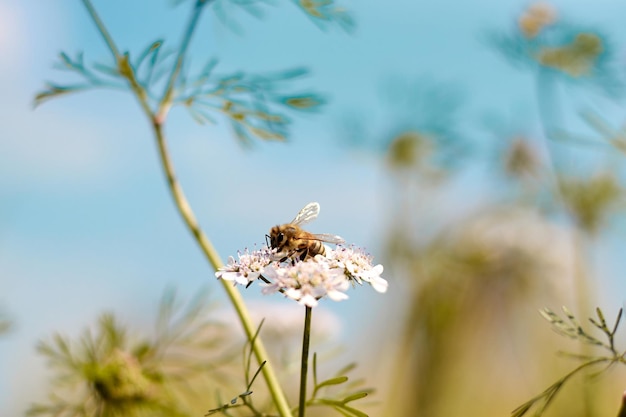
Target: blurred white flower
{"points": [[306, 281]]}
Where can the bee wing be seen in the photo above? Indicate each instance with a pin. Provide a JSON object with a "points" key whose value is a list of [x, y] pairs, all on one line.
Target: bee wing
{"points": [[308, 213], [325, 237]]}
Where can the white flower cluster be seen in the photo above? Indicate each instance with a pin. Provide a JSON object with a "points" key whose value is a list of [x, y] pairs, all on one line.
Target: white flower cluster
{"points": [[358, 267], [248, 268], [306, 281]]}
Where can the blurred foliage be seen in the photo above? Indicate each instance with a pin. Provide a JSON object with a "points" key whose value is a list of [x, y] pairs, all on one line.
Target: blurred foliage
{"points": [[537, 17], [255, 105], [423, 131], [487, 263], [576, 58], [350, 391], [615, 137], [521, 160], [108, 372], [323, 13], [541, 39], [607, 134], [248, 101], [468, 280], [572, 328], [517, 158], [246, 395], [5, 324], [412, 151], [251, 103], [340, 401], [592, 199], [426, 116]]}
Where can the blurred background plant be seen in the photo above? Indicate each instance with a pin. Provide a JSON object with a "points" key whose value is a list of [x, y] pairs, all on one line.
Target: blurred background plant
{"points": [[572, 328], [5, 323], [473, 278], [112, 370]]}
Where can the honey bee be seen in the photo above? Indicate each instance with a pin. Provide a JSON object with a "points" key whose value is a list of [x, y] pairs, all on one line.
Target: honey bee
{"points": [[289, 239]]}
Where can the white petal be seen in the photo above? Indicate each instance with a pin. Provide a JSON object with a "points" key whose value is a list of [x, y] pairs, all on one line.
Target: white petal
{"points": [[308, 300], [229, 275], [240, 279], [337, 295], [379, 284]]}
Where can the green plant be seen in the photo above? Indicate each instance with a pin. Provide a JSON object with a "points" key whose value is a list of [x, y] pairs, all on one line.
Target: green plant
{"points": [[571, 327]]}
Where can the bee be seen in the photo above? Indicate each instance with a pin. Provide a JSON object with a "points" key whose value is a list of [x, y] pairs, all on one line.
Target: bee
{"points": [[295, 243]]}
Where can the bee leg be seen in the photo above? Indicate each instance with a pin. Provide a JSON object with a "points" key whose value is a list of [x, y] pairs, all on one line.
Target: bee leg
{"points": [[288, 256], [304, 254], [249, 283]]}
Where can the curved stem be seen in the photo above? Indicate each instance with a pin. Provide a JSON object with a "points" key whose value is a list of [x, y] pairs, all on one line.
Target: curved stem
{"points": [[181, 201], [185, 211], [306, 339]]}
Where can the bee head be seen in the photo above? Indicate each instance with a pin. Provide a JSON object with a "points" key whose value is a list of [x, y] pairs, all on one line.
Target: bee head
{"points": [[276, 237]]}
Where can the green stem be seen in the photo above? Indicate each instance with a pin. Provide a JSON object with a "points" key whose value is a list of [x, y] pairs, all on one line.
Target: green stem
{"points": [[180, 58], [122, 61], [306, 339], [103, 31], [209, 251]]}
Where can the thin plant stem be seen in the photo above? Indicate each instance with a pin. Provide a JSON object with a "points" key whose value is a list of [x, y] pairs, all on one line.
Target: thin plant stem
{"points": [[102, 29], [183, 206], [121, 61], [180, 58], [549, 106], [185, 211], [306, 339]]}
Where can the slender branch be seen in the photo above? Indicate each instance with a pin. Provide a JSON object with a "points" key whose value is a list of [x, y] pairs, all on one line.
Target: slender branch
{"points": [[122, 61], [181, 201], [180, 58], [306, 339], [548, 395], [103, 31], [212, 256]]}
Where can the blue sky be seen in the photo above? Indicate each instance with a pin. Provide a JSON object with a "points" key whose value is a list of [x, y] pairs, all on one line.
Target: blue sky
{"points": [[86, 223]]}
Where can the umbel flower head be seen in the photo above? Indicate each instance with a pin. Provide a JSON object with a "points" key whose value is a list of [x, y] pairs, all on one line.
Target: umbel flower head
{"points": [[309, 280], [110, 372]]}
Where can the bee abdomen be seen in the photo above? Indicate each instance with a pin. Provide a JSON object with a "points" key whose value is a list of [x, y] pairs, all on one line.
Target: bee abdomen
{"points": [[317, 248]]}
